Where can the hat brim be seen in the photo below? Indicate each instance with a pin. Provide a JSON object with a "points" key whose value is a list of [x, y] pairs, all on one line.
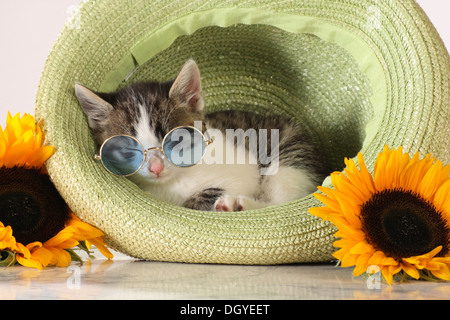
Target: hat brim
{"points": [[387, 56]]}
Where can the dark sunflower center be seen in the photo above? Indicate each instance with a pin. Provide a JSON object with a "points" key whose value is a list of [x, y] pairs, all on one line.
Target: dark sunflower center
{"points": [[402, 224], [31, 205], [19, 209]]}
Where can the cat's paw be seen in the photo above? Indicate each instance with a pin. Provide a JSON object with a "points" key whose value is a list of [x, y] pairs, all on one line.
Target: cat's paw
{"points": [[227, 203]]}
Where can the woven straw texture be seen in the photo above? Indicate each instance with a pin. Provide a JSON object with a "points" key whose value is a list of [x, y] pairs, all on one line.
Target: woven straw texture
{"points": [[357, 74]]}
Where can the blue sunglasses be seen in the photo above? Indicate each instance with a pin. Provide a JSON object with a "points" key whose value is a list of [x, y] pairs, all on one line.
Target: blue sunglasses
{"points": [[124, 155]]}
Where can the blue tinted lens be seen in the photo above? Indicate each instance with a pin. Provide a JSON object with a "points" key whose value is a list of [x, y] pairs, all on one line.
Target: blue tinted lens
{"points": [[122, 155], [184, 146]]}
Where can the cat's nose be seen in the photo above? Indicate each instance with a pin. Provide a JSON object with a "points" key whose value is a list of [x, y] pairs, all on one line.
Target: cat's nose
{"points": [[156, 165]]}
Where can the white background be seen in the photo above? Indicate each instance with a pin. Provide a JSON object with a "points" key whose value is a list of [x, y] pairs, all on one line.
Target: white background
{"points": [[29, 28]]}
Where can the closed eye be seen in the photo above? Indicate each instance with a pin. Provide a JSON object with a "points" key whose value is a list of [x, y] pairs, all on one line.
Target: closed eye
{"points": [[129, 153]]}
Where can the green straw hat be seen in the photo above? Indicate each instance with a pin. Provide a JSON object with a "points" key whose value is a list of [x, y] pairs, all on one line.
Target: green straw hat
{"points": [[357, 74]]}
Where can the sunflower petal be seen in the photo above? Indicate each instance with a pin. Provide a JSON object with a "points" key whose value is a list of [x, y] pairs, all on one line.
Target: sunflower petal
{"points": [[361, 264], [7, 241], [353, 189], [388, 275], [101, 246], [42, 255], [418, 171], [349, 210], [3, 144], [361, 247], [365, 175], [331, 204], [321, 212], [60, 257], [345, 243], [410, 270], [19, 151], [443, 272], [348, 232], [13, 128], [442, 199], [349, 260], [377, 258], [28, 262], [38, 158], [339, 254], [431, 181], [380, 172]]}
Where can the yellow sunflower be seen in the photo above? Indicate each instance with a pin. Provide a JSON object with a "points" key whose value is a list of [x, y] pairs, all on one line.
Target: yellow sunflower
{"points": [[398, 219], [21, 143], [30, 206]]}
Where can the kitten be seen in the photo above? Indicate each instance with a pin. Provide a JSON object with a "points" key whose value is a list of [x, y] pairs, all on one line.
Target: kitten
{"points": [[149, 110]]}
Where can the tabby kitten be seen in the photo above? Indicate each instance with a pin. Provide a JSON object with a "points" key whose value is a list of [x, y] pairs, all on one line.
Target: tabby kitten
{"points": [[238, 172]]}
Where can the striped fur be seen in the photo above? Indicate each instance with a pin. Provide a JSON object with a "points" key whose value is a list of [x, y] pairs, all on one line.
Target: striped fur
{"points": [[148, 111]]}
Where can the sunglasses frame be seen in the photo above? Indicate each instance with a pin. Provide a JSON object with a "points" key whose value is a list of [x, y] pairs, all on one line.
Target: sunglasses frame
{"points": [[147, 151]]}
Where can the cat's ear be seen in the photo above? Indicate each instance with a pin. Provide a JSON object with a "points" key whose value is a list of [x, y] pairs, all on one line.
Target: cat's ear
{"points": [[95, 108], [188, 86]]}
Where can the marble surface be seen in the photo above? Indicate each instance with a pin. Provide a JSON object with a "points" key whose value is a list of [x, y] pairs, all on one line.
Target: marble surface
{"points": [[125, 278]]}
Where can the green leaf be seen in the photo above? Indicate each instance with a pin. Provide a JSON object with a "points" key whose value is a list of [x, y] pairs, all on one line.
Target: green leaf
{"points": [[74, 256], [82, 245], [8, 258]]}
